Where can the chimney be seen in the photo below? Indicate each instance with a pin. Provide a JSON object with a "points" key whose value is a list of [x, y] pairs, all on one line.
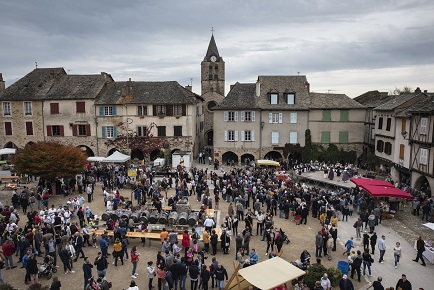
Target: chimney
{"points": [[2, 83], [417, 90], [425, 91], [307, 85], [124, 90], [129, 79], [258, 88], [104, 76], [52, 74], [188, 87]]}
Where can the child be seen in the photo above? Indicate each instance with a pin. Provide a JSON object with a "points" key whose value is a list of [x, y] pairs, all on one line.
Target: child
{"points": [[94, 235]]}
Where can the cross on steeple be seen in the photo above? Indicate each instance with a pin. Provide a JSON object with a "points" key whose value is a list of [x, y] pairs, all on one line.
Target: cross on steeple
{"points": [[212, 30]]}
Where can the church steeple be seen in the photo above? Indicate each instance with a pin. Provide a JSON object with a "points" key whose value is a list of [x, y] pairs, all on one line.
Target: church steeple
{"points": [[212, 51]]}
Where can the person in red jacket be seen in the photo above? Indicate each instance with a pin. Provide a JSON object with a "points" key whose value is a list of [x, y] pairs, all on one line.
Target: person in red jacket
{"points": [[186, 241], [8, 249]]}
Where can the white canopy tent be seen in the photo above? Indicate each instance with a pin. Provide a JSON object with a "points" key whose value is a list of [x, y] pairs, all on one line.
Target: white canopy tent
{"points": [[6, 151], [117, 157], [429, 225], [265, 275], [95, 159]]}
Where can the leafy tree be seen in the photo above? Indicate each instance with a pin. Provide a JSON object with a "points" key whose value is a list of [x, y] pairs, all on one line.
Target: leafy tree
{"points": [[398, 91], [315, 272], [49, 160]]}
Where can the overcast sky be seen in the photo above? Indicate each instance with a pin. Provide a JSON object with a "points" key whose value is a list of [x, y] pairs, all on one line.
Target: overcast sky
{"points": [[345, 47]]}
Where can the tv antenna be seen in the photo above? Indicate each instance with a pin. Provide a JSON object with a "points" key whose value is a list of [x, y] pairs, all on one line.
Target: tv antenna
{"points": [[36, 63]]}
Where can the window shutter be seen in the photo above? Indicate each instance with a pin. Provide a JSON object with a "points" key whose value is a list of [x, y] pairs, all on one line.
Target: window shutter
{"points": [[252, 135], [74, 130], [184, 110], [226, 136], [325, 137], [343, 137], [242, 116], [270, 118], [49, 131], [104, 132], [54, 108], [242, 136], [225, 116], [253, 116], [154, 110], [101, 110], [88, 130], [62, 132], [236, 117], [236, 136], [115, 131], [169, 110], [280, 118], [344, 115], [423, 125], [401, 151], [293, 137], [293, 118], [114, 111]]}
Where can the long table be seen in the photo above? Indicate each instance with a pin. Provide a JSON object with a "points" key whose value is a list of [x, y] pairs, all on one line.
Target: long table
{"points": [[146, 235]]}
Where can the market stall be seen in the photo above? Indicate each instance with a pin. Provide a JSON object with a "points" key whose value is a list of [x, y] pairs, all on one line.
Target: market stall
{"points": [[380, 188], [268, 274], [117, 157]]}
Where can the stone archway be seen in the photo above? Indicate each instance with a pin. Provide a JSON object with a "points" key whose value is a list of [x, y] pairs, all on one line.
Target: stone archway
{"points": [[422, 184], [10, 144], [137, 154], [228, 157], [154, 154], [246, 158], [273, 155], [87, 150], [111, 151]]}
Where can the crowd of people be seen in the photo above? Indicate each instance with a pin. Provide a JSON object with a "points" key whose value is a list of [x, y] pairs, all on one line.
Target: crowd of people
{"points": [[253, 195]]}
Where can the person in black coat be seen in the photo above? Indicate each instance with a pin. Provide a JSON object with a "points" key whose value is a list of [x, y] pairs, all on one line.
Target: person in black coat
{"points": [[193, 271], [78, 245], [365, 241], [373, 242], [304, 214], [214, 239], [204, 276], [225, 242], [32, 269], [87, 271]]}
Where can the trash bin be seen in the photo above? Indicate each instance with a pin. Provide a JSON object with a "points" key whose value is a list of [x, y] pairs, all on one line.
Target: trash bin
{"points": [[344, 267]]}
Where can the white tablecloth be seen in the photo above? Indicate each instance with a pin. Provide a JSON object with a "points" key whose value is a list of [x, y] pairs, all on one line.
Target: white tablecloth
{"points": [[428, 254]]}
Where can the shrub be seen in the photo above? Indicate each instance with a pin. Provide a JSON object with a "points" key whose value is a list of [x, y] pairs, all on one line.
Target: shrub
{"points": [[7, 286], [314, 273]]}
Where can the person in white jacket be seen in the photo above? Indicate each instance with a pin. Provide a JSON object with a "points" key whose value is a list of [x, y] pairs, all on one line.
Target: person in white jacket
{"points": [[133, 286]]}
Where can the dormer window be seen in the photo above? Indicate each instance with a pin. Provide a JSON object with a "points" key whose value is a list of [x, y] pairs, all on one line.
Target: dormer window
{"points": [[290, 98], [274, 98]]}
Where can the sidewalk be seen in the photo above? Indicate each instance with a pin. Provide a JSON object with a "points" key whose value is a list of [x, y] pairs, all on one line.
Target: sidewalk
{"points": [[418, 275]]}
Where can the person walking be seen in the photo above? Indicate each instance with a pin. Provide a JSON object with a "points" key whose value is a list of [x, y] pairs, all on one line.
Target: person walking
{"points": [[403, 283], [204, 276], [397, 252], [367, 262], [134, 260], [377, 284], [101, 264], [151, 274], [118, 252], [220, 276], [365, 241], [32, 269], [420, 247], [329, 244], [348, 245], [355, 266], [358, 225], [214, 240], [78, 245], [373, 240], [382, 248]]}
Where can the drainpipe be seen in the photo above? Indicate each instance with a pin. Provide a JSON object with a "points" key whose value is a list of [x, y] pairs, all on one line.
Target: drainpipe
{"points": [[43, 123]]}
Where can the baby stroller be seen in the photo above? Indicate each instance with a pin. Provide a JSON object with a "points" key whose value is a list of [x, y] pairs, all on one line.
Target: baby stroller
{"points": [[47, 268], [284, 237]]}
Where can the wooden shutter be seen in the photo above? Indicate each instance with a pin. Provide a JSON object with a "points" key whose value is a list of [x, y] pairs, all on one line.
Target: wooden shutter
{"points": [[74, 130], [88, 130], [113, 110], [226, 136], [49, 131], [242, 116], [104, 132], [236, 116], [401, 151], [242, 136], [184, 109], [54, 108], [101, 110], [326, 115], [154, 110], [252, 136], [280, 118], [274, 137], [236, 136], [270, 118], [423, 156], [169, 110], [253, 116], [29, 128], [8, 128], [325, 137], [80, 107], [423, 125], [292, 137], [344, 116], [115, 131], [343, 137], [225, 116], [62, 131], [403, 125]]}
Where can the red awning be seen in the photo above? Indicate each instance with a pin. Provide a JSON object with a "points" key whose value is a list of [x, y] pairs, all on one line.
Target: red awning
{"points": [[380, 188]]}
